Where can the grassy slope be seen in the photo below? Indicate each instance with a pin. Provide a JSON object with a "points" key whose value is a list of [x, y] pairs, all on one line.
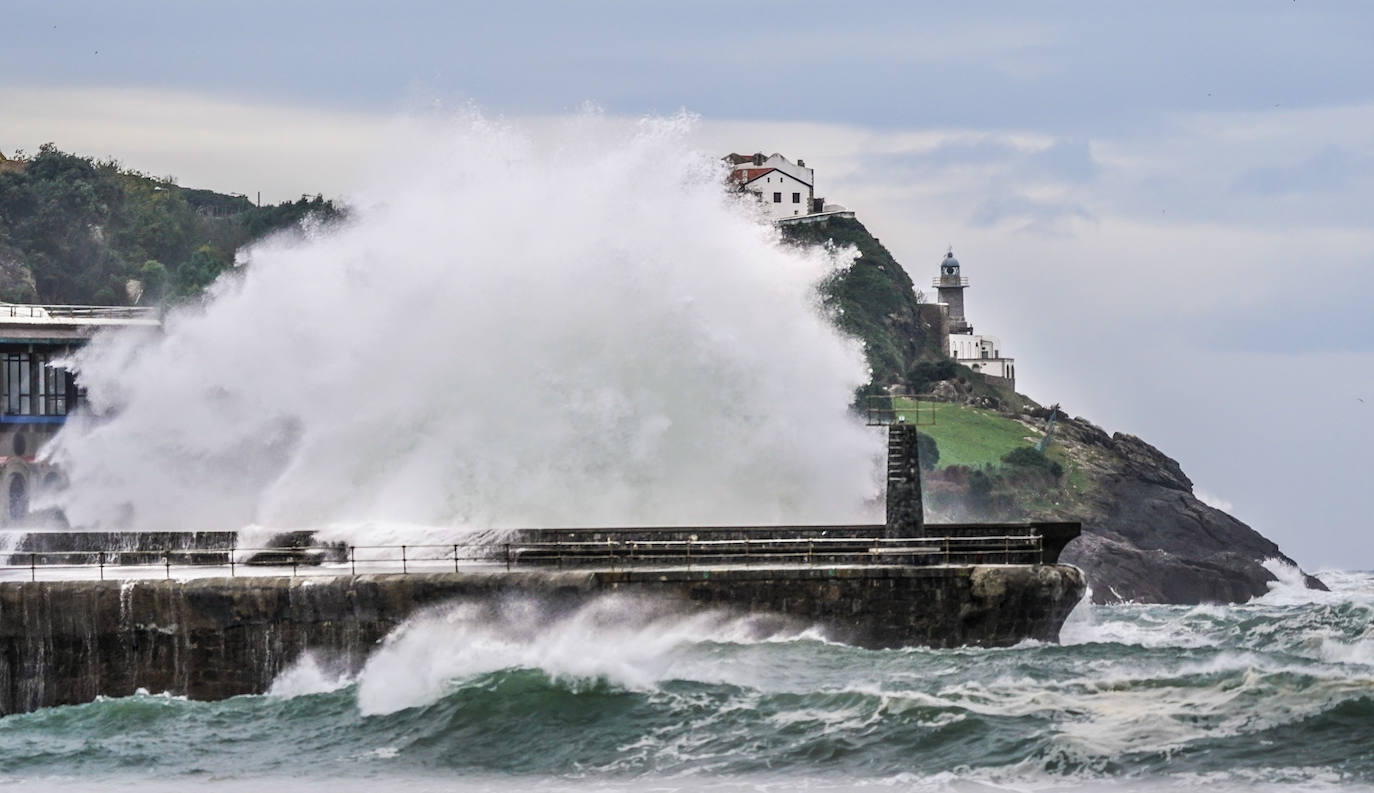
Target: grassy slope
{"points": [[976, 438]]}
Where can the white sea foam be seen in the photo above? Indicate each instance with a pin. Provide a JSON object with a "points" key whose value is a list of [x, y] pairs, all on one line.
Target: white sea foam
{"points": [[582, 330], [309, 674], [628, 641]]}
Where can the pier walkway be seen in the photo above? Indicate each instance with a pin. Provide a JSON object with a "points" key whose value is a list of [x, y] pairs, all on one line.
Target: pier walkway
{"points": [[593, 549]]}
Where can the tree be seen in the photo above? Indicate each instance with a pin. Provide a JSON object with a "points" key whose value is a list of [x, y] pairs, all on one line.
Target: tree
{"points": [[927, 451], [198, 272], [1029, 457], [153, 276]]}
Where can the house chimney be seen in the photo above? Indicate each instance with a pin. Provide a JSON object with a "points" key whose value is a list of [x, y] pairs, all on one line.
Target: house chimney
{"points": [[801, 163], [758, 158]]}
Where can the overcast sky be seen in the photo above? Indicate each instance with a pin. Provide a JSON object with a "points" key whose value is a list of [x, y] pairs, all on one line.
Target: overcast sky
{"points": [[1164, 208]]}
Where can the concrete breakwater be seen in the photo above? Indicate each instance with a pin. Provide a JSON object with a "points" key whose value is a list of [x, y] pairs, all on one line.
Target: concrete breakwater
{"points": [[66, 642]]}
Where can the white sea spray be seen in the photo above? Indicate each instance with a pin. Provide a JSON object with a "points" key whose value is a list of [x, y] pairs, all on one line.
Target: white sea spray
{"points": [[583, 328]]}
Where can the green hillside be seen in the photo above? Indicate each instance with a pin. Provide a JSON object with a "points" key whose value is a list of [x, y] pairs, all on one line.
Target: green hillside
{"points": [[77, 230], [874, 300]]}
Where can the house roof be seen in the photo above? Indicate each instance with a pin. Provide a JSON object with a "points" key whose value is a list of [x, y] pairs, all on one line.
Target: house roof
{"points": [[747, 175]]}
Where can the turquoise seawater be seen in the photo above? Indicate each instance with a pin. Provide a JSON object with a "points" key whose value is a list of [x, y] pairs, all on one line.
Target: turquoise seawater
{"points": [[1276, 694]]}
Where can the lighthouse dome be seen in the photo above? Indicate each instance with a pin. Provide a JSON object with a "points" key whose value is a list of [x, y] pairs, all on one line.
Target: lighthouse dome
{"points": [[949, 265]]}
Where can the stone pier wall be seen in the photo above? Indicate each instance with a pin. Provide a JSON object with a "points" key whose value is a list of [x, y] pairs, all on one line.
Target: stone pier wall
{"points": [[66, 642]]}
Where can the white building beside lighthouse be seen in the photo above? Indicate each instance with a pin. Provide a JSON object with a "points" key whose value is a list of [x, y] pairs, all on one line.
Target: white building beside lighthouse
{"points": [[982, 354]]}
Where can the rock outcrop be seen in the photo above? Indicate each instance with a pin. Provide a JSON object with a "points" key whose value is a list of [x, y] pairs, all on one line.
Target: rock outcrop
{"points": [[1146, 536]]}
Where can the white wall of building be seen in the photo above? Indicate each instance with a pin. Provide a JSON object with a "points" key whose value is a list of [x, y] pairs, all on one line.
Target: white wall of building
{"points": [[968, 346], [997, 367], [782, 194], [981, 354], [799, 172]]}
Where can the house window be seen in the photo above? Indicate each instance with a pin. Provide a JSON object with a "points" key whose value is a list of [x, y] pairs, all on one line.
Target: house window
{"points": [[18, 385], [30, 387], [777, 198], [796, 198]]}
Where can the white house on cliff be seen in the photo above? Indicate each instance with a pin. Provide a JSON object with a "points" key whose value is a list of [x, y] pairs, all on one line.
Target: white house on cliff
{"points": [[787, 189]]}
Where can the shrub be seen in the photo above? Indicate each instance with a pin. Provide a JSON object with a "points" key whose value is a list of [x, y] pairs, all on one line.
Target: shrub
{"points": [[927, 373], [1033, 458], [927, 452]]}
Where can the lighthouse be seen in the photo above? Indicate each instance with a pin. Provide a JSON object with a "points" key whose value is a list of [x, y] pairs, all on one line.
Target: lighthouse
{"points": [[982, 354], [951, 285]]}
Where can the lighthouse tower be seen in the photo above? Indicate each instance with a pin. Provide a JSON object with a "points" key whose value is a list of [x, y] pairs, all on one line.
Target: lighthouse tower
{"points": [[951, 288]]}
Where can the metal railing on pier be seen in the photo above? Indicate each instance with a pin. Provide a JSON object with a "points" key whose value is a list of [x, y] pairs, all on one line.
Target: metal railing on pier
{"points": [[608, 554], [881, 411]]}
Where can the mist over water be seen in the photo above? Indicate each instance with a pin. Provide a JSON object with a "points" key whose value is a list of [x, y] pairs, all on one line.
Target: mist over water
{"points": [[576, 328]]}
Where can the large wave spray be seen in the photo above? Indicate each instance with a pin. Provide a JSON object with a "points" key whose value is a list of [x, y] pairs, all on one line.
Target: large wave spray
{"points": [[510, 332]]}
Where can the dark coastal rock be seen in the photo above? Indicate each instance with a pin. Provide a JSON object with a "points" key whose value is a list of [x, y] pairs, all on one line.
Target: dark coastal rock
{"points": [[1148, 538]]}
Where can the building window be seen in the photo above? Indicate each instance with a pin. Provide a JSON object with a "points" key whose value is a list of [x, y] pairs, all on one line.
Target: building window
{"points": [[796, 198], [777, 198], [30, 387]]}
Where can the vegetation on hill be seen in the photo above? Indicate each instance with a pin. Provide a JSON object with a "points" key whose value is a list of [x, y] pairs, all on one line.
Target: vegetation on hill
{"points": [[874, 300], [80, 231]]}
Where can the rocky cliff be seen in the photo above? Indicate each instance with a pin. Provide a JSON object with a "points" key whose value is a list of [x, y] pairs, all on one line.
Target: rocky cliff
{"points": [[1146, 536]]}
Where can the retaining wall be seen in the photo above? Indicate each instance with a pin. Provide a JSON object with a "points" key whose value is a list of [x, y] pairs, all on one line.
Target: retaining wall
{"points": [[66, 642]]}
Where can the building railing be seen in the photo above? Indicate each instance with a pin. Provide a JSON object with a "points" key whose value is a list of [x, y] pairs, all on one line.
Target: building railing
{"points": [[881, 411], [1024, 549], [949, 280], [31, 311]]}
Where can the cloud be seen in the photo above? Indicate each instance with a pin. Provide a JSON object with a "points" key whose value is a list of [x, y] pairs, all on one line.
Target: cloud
{"points": [[1332, 166], [1042, 215], [203, 141]]}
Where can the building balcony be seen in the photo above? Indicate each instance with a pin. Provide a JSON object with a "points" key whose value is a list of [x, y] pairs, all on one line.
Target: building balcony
{"points": [[950, 282], [18, 418]]}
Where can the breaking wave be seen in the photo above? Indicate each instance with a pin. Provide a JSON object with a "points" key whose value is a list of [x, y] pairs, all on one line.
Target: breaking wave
{"points": [[583, 328]]}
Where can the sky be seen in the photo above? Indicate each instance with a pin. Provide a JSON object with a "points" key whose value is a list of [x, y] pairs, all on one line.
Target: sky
{"points": [[1164, 208]]}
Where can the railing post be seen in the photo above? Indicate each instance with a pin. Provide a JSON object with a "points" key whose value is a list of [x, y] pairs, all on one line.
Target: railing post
{"points": [[295, 556], [352, 561], [507, 549], [455, 557], [232, 553], [403, 560], [167, 563], [1006, 549], [33, 567], [810, 552], [100, 558]]}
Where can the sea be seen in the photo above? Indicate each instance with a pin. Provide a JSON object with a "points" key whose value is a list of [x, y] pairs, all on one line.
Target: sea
{"points": [[1275, 694]]}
